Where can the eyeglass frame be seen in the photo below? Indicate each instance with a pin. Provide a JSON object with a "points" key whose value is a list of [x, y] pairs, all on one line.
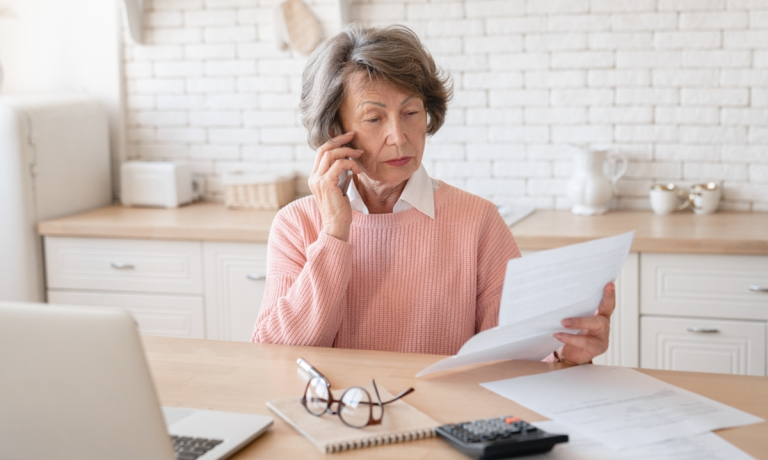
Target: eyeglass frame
{"points": [[331, 400]]}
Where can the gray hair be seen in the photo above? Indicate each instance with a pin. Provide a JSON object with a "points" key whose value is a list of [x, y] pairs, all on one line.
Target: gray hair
{"points": [[393, 54]]}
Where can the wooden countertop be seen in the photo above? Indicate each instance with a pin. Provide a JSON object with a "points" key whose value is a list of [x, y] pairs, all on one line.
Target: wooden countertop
{"points": [[719, 233], [201, 221], [242, 377]]}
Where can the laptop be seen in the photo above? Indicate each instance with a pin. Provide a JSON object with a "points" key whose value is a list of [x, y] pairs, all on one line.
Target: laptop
{"points": [[74, 384]]}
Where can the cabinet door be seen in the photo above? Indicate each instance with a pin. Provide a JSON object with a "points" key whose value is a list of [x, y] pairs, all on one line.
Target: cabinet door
{"points": [[156, 314], [703, 285], [698, 345], [106, 264], [235, 277]]}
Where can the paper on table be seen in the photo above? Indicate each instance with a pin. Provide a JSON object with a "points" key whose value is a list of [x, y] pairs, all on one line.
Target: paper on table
{"points": [[539, 291], [707, 446], [618, 406]]}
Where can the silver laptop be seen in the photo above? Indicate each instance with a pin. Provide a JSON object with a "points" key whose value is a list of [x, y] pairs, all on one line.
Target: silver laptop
{"points": [[74, 384]]}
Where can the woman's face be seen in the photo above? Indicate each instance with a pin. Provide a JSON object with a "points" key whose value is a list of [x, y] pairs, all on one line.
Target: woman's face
{"points": [[390, 128]]}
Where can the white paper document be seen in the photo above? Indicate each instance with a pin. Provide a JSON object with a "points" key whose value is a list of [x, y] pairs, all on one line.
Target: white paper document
{"points": [[540, 290], [707, 446], [618, 406]]}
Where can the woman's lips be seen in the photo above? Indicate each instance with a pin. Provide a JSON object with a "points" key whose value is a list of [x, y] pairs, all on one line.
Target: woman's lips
{"points": [[398, 162]]}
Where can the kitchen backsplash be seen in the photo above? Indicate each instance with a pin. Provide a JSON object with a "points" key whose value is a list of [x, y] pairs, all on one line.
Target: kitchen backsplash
{"points": [[679, 86]]}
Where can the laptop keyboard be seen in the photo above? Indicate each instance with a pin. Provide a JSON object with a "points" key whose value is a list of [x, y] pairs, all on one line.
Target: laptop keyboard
{"points": [[191, 448]]}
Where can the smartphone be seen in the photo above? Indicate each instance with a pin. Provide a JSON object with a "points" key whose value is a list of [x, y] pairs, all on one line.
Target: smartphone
{"points": [[346, 176], [344, 179]]}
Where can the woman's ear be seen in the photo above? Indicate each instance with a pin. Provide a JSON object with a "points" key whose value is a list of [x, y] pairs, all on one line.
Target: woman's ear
{"points": [[335, 129]]}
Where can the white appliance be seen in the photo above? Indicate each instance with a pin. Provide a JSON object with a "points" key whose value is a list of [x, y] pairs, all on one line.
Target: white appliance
{"points": [[54, 161], [157, 183]]}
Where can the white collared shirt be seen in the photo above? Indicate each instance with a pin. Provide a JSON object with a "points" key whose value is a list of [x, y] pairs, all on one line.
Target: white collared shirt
{"points": [[419, 193]]}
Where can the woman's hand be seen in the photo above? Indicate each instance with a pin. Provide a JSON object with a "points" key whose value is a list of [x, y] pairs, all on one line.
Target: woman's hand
{"points": [[331, 161], [592, 339]]}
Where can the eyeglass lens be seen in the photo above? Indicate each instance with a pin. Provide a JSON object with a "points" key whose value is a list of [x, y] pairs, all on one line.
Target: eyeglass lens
{"points": [[317, 396], [355, 407]]}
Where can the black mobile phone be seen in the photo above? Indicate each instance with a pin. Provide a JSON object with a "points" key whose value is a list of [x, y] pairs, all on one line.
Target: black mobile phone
{"points": [[346, 176], [344, 179]]}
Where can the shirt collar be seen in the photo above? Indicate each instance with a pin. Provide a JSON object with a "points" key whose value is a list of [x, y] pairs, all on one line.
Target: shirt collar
{"points": [[419, 193]]}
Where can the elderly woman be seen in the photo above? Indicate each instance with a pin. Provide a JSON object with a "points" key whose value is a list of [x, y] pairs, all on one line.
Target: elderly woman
{"points": [[401, 261]]}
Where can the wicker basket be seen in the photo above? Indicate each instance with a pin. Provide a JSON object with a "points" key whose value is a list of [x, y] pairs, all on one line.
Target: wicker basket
{"points": [[263, 192]]}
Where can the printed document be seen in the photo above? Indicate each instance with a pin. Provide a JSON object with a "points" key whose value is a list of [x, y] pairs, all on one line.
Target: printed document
{"points": [[707, 446], [618, 406], [540, 290]]}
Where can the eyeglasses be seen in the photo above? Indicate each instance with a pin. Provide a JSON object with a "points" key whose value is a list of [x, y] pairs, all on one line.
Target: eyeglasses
{"points": [[355, 408]]}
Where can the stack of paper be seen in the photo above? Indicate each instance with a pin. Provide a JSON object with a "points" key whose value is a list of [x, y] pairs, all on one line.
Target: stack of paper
{"points": [[620, 407], [707, 446]]}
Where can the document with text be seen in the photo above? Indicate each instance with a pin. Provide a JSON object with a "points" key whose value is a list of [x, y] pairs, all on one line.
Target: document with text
{"points": [[540, 290], [618, 406], [707, 446]]}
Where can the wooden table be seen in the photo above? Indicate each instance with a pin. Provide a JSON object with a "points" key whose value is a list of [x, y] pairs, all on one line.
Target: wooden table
{"points": [[242, 377]]}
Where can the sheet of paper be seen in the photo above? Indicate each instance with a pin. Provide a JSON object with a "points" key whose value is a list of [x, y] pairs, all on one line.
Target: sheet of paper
{"points": [[707, 446], [540, 290], [618, 406]]}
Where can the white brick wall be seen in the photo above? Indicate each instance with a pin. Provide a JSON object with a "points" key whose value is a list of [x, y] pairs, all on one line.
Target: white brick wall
{"points": [[679, 86]]}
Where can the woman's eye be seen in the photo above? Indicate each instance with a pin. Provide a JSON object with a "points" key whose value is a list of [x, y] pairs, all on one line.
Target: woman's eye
{"points": [[413, 113], [372, 120]]}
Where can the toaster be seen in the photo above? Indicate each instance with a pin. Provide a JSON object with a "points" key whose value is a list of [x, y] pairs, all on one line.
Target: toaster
{"points": [[158, 184]]}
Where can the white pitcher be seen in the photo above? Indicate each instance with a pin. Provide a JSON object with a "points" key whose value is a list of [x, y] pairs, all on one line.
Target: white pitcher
{"points": [[590, 190]]}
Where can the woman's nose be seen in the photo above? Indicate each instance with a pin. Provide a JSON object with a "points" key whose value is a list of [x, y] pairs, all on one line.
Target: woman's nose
{"points": [[395, 132]]}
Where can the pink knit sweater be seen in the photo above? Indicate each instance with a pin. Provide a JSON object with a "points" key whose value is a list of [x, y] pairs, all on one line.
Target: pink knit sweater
{"points": [[403, 282]]}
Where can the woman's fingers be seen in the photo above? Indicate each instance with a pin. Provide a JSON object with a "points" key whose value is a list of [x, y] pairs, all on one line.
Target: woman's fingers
{"points": [[329, 158], [608, 302], [592, 339], [332, 144], [593, 324], [340, 166], [592, 345]]}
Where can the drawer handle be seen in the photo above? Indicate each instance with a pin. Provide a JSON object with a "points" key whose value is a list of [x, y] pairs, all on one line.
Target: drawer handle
{"points": [[703, 330], [256, 276], [122, 266], [757, 288]]}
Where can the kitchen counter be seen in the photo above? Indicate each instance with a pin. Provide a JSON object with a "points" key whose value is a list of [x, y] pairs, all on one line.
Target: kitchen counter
{"points": [[208, 221], [719, 233]]}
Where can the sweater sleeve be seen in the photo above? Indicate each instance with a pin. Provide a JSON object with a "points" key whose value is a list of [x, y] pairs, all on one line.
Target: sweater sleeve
{"points": [[496, 246], [305, 295]]}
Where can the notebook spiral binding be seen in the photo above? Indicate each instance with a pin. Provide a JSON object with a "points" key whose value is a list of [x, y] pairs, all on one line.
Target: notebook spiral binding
{"points": [[380, 440]]}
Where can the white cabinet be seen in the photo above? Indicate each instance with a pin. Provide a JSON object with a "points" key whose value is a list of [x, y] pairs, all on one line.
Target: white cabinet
{"points": [[699, 345], [712, 286], [124, 265], [159, 282], [172, 288], [156, 314], [699, 313], [235, 276]]}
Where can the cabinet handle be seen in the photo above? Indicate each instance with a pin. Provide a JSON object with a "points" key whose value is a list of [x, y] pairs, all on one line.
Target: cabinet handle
{"points": [[256, 276], [122, 266], [703, 330], [757, 288]]}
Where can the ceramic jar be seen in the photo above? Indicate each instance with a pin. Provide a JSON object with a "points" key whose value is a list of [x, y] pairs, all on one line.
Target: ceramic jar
{"points": [[590, 189]]}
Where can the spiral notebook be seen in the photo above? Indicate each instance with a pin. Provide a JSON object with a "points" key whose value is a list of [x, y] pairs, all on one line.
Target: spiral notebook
{"points": [[401, 423]]}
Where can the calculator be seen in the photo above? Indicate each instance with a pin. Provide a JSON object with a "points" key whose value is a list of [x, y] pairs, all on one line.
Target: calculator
{"points": [[499, 437]]}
